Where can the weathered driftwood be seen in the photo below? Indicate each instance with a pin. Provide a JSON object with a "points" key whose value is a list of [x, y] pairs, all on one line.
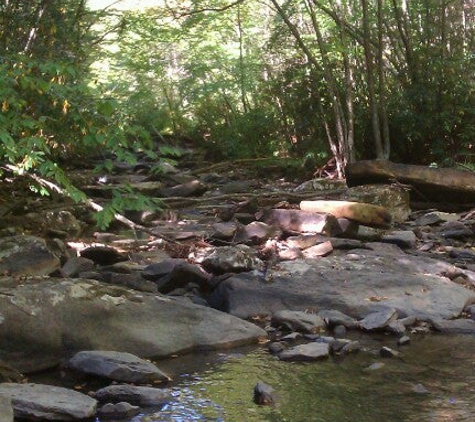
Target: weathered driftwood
{"points": [[427, 183], [367, 214]]}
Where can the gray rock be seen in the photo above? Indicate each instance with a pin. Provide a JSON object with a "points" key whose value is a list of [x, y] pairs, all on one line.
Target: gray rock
{"points": [[387, 352], [117, 366], [136, 395], [231, 259], [224, 230], [132, 281], [333, 317], [42, 321], [459, 326], [76, 265], [6, 409], [298, 321], [63, 221], [47, 402], [396, 327], [306, 352], [375, 366], [322, 249], [402, 238], [339, 331], [378, 320], [26, 256], [420, 389], [264, 394], [413, 285], [191, 188], [120, 410], [256, 233], [403, 341], [302, 221]]}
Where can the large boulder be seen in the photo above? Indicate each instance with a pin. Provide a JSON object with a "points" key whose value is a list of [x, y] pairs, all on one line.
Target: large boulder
{"points": [[43, 321], [357, 282], [23, 255]]}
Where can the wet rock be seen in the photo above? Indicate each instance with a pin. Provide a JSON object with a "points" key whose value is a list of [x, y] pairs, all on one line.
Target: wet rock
{"points": [[23, 255], [231, 259], [375, 366], [459, 326], [387, 352], [339, 331], [276, 347], [120, 410], [306, 352], [76, 265], [322, 249], [403, 341], [89, 315], [402, 238], [103, 255], [344, 347], [47, 402], [298, 321], [6, 409], [378, 320], [396, 327], [420, 389], [133, 394], [264, 394], [117, 366], [302, 221]]}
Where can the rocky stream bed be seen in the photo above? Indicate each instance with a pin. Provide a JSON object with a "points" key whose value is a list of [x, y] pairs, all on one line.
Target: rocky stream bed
{"points": [[233, 262]]}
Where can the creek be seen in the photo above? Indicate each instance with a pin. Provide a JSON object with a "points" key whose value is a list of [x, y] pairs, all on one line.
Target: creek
{"points": [[220, 387]]}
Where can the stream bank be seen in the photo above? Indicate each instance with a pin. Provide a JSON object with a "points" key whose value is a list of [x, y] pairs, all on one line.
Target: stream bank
{"points": [[216, 272]]}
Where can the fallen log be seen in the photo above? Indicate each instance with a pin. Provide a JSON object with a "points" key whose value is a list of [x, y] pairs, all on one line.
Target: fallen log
{"points": [[427, 184], [367, 214]]}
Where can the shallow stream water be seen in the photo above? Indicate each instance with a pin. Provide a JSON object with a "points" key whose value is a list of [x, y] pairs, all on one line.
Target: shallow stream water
{"points": [[220, 388]]}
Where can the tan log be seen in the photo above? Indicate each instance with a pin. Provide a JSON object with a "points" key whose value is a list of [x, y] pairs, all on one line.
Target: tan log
{"points": [[366, 214]]}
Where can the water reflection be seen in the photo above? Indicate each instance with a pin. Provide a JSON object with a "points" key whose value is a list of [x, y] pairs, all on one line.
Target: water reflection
{"points": [[336, 391]]}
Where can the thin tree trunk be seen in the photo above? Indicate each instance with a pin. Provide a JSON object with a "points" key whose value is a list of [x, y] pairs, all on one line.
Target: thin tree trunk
{"points": [[373, 103], [382, 86]]}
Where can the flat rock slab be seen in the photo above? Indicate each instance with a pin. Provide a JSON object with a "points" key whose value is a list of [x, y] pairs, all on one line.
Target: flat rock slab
{"points": [[44, 321], [6, 409], [356, 283], [117, 366], [306, 352], [46, 402], [136, 395]]}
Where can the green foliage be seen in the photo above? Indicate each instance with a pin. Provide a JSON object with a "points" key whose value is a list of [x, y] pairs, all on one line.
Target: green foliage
{"points": [[125, 199]]}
